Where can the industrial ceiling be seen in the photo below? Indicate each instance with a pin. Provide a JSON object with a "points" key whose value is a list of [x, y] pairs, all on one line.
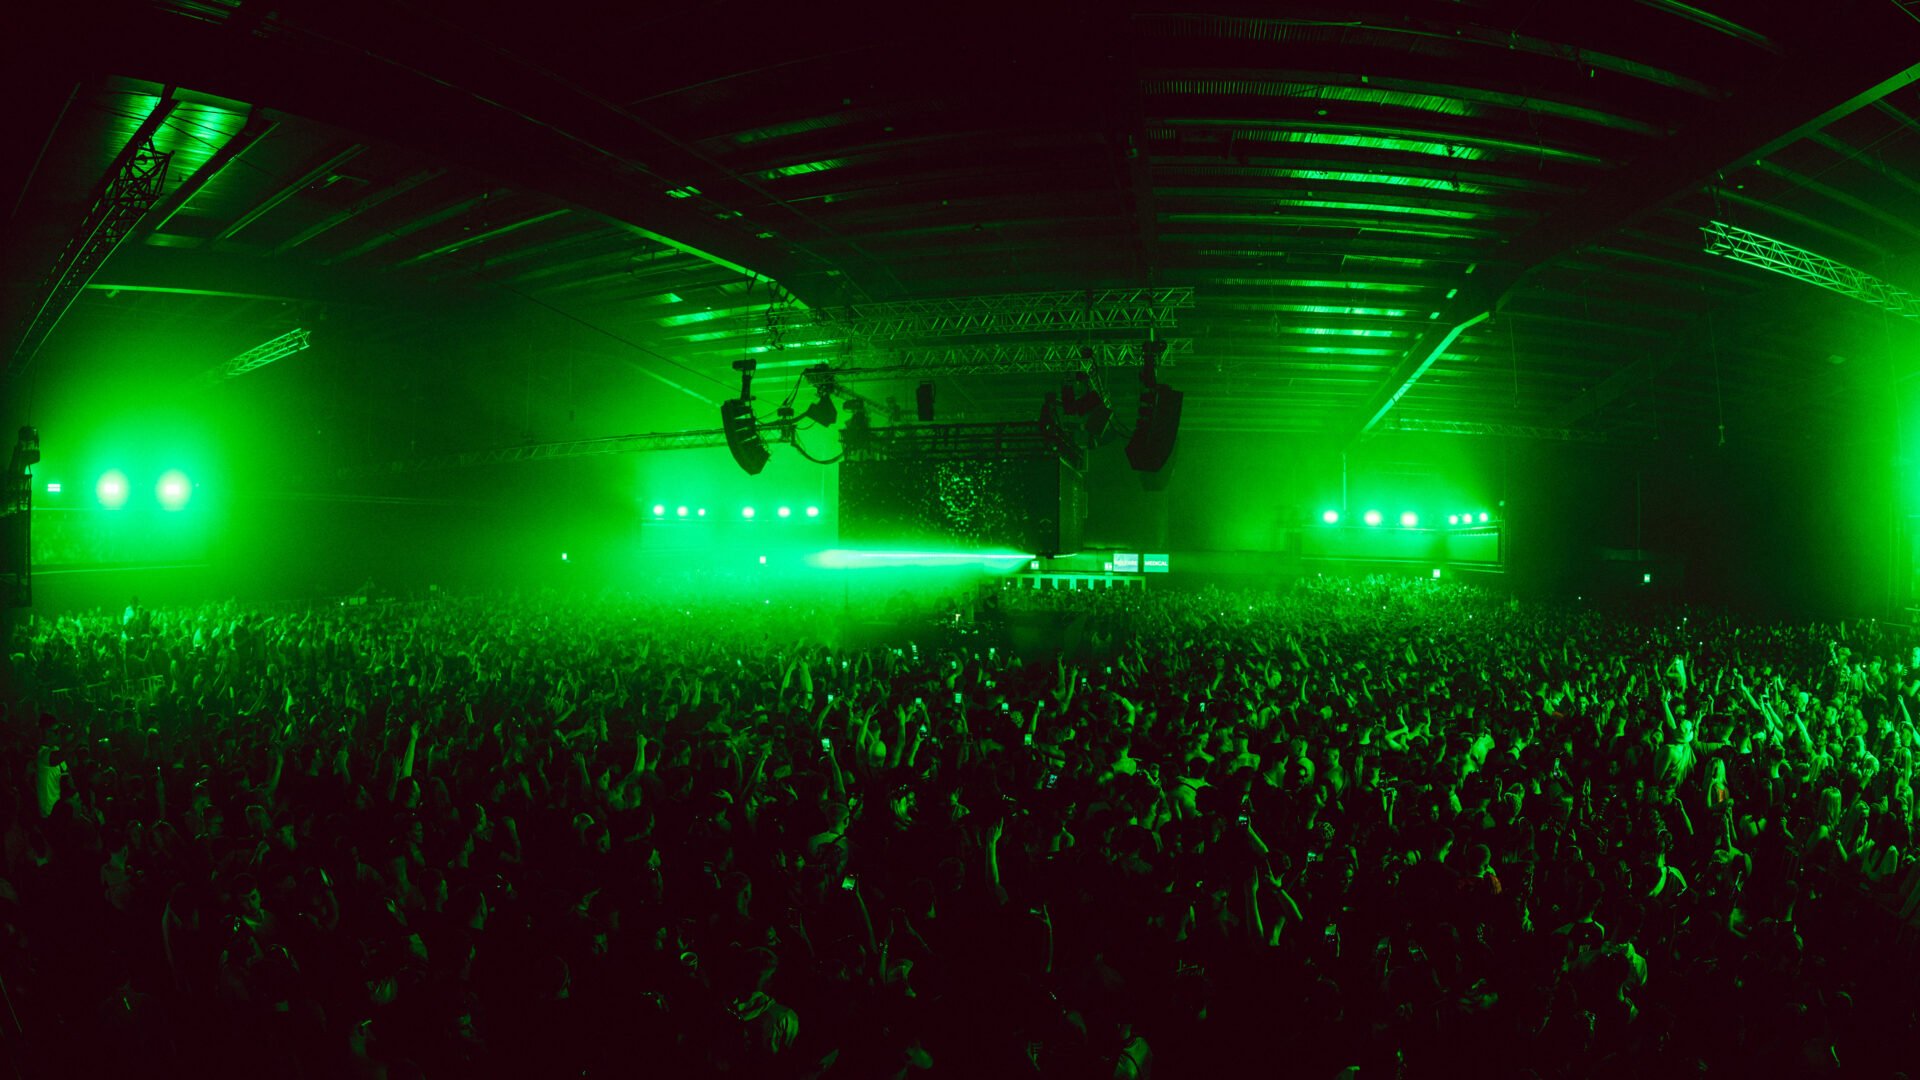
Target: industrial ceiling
{"points": [[1485, 218]]}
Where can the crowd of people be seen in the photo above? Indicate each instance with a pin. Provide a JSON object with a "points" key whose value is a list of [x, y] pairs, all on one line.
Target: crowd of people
{"points": [[1398, 826]]}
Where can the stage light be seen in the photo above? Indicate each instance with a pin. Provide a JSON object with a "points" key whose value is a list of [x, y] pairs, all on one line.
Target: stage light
{"points": [[1483, 517], [1466, 519], [822, 411], [1331, 517], [763, 560], [659, 511], [112, 489], [173, 489], [813, 511], [563, 556], [1436, 572], [702, 512], [1409, 519], [785, 511], [53, 488], [747, 513], [1372, 517], [680, 511], [1453, 519], [1646, 579]]}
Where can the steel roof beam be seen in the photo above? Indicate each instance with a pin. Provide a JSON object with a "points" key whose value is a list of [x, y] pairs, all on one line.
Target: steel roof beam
{"points": [[1849, 64], [360, 206], [257, 127], [287, 191]]}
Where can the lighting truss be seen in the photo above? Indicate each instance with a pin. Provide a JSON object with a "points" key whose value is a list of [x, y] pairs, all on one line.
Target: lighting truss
{"points": [[138, 179], [1022, 358], [1751, 248], [1512, 431], [261, 355], [575, 448], [1008, 313]]}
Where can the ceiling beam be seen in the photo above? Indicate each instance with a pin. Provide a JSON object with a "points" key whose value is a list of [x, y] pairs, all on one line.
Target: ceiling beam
{"points": [[257, 127], [362, 205], [553, 137], [244, 277], [307, 179], [1847, 63]]}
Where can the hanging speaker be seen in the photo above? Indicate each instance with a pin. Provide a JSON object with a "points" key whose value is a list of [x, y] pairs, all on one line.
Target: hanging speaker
{"points": [[923, 398], [743, 436], [1152, 441]]}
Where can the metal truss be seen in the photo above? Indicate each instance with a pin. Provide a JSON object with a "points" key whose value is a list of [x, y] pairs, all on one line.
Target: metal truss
{"points": [[137, 180], [1009, 313], [1023, 358], [553, 451], [1751, 248], [954, 442], [261, 355], [1511, 431]]}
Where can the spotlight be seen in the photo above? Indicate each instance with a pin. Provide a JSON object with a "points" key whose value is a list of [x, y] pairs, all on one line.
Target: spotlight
{"points": [[785, 511], [1331, 517], [763, 560], [1483, 517], [680, 512], [702, 512], [1646, 579], [563, 556], [659, 511], [813, 511], [112, 489], [1372, 517], [173, 489], [1436, 573], [822, 412], [53, 488], [1409, 519], [1453, 519], [747, 513]]}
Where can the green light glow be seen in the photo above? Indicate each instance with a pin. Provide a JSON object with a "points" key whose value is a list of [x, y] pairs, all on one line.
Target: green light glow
{"points": [[801, 170], [1451, 151], [173, 489], [1371, 517], [1382, 208], [1341, 331], [1409, 519], [851, 559], [53, 488], [1331, 517], [1322, 283], [1328, 309], [696, 317], [1337, 350], [112, 489]]}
